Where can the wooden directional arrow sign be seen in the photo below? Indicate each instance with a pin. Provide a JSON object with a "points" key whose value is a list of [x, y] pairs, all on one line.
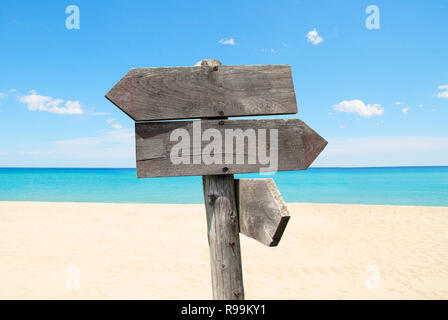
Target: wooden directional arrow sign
{"points": [[211, 147], [263, 215], [216, 148], [204, 91]]}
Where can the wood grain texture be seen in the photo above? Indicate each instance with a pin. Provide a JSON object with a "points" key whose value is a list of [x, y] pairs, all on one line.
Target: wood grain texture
{"points": [[223, 237], [263, 214], [205, 91], [298, 146], [223, 230]]}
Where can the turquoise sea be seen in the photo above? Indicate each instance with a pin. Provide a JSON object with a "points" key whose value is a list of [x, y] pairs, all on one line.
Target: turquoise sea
{"points": [[423, 186]]}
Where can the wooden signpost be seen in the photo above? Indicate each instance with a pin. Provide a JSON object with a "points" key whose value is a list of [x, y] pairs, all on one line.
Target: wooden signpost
{"points": [[216, 148]]}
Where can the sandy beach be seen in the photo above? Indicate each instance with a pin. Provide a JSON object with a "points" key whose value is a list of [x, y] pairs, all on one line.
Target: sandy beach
{"points": [[152, 251]]}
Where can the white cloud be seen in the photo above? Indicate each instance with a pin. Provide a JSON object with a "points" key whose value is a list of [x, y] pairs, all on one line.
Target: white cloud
{"points": [[35, 102], [271, 50], [313, 37], [112, 149], [2, 96], [73, 107], [229, 41], [284, 44], [342, 126], [113, 123], [13, 90], [405, 108], [359, 107], [384, 151], [34, 153], [443, 91], [77, 143], [108, 145]]}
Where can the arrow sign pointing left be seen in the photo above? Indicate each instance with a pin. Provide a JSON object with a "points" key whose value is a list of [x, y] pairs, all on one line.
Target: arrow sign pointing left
{"points": [[147, 94]]}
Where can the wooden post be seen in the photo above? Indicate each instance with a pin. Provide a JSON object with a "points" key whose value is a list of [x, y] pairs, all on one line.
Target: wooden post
{"points": [[223, 237], [213, 93], [223, 231]]}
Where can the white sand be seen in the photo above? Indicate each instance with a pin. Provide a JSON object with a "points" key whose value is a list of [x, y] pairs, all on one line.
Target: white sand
{"points": [[148, 251]]}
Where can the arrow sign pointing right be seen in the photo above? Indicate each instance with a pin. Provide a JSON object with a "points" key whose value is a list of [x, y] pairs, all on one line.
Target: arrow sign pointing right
{"points": [[213, 147]]}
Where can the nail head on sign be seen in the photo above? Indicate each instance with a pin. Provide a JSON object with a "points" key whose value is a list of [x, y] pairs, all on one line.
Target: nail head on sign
{"points": [[221, 123], [225, 169], [221, 113]]}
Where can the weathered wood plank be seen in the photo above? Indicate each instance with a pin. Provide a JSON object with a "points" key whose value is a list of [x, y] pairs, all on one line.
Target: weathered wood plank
{"points": [[223, 237], [295, 148], [205, 91], [263, 215], [223, 231]]}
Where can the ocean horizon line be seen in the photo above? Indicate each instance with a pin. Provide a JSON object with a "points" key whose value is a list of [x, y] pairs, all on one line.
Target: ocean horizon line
{"points": [[323, 167], [411, 185], [202, 203]]}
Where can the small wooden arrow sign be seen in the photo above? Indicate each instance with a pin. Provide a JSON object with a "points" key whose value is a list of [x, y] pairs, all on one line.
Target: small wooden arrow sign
{"points": [[211, 147], [200, 92], [262, 212]]}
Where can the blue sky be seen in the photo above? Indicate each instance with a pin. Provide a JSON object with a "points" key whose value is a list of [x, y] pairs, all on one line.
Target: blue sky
{"points": [[380, 97]]}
